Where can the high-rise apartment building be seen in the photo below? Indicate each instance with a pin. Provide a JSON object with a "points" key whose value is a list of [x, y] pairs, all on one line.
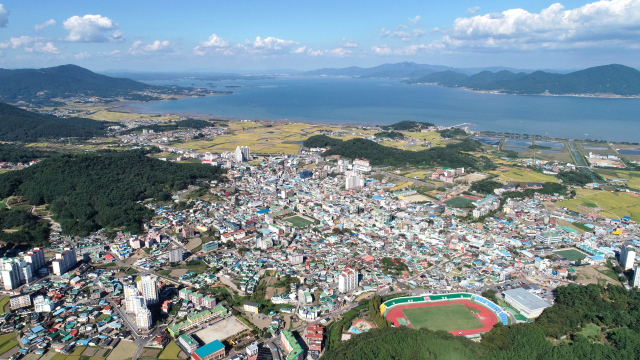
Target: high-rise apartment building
{"points": [[348, 280], [627, 256], [35, 257], [148, 287], [242, 154], [175, 254], [64, 261]]}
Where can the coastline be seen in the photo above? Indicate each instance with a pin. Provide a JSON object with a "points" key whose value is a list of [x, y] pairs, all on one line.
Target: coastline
{"points": [[496, 92]]}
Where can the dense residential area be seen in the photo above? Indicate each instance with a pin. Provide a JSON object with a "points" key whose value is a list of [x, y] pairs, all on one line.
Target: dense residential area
{"points": [[275, 256]]}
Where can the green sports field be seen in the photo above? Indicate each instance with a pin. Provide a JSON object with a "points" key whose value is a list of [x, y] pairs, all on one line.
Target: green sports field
{"points": [[298, 221], [446, 317], [458, 202], [571, 254]]}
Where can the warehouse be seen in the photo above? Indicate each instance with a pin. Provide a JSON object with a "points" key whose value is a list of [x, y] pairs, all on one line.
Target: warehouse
{"points": [[525, 302]]}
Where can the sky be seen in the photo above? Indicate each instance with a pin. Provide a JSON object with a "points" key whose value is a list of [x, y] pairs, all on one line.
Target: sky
{"points": [[227, 36]]}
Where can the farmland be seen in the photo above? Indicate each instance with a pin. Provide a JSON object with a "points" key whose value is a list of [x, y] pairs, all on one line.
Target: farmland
{"points": [[613, 205]]}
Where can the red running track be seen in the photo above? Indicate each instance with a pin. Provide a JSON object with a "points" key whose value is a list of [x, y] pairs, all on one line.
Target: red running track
{"points": [[486, 316]]}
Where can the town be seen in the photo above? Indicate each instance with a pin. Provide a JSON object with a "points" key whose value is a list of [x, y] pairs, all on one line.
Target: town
{"points": [[285, 259]]}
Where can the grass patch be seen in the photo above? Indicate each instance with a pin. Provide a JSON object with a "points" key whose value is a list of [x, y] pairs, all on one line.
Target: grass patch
{"points": [[170, 352], [78, 351], [107, 265], [589, 204], [8, 346], [458, 202], [299, 221], [131, 271], [3, 302], [609, 273], [446, 317], [571, 254]]}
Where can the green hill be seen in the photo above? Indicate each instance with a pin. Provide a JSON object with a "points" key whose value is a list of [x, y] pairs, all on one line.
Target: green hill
{"points": [[21, 125], [88, 192], [611, 79]]}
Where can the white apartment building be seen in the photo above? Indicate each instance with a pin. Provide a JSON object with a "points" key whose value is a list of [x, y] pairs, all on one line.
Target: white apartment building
{"points": [[242, 154], [43, 304], [20, 301], [175, 254], [35, 257], [627, 256], [64, 261], [143, 319], [636, 277], [361, 165], [353, 180], [148, 287], [348, 280]]}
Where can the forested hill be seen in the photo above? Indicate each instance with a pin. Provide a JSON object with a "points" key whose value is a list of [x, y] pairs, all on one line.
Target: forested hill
{"points": [[452, 155], [614, 310], [608, 79], [21, 125], [92, 191], [63, 81]]}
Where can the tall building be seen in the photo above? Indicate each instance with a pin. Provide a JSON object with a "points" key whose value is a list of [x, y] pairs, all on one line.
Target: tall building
{"points": [[296, 259], [11, 273], [35, 257], [20, 301], [64, 261], [353, 180], [627, 256], [636, 277], [175, 254], [242, 154], [291, 345], [143, 319], [348, 280], [361, 165], [148, 287]]}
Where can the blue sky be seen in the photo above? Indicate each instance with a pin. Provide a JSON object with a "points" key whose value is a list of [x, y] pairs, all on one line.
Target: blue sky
{"points": [[260, 35]]}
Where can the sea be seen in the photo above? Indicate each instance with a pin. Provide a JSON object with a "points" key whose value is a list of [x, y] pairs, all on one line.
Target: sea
{"points": [[342, 100]]}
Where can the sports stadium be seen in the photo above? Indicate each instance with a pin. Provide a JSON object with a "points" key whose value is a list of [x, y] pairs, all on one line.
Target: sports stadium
{"points": [[459, 313]]}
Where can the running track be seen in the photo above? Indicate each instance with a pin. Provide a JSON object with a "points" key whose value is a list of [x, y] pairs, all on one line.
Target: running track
{"points": [[486, 316]]}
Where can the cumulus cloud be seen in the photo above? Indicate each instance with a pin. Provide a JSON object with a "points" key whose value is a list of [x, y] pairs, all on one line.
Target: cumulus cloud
{"points": [[414, 20], [473, 10], [385, 32], [601, 23], [139, 48], [270, 44], [45, 24], [347, 43], [337, 52], [213, 44], [91, 28], [31, 44], [4, 16]]}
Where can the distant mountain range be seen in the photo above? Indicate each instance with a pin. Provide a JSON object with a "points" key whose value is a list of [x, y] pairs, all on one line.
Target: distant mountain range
{"points": [[611, 79], [408, 70]]}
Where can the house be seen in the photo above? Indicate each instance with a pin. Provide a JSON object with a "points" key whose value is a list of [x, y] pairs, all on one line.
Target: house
{"points": [[252, 307]]}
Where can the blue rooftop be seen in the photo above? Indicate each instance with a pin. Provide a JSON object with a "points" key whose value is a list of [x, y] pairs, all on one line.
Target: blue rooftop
{"points": [[264, 211], [209, 349]]}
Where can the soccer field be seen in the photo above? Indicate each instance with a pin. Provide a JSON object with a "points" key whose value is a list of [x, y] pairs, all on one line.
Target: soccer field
{"points": [[458, 202], [571, 254], [298, 221], [446, 317]]}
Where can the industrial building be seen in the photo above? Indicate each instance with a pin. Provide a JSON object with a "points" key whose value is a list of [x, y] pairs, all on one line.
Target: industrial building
{"points": [[526, 303]]}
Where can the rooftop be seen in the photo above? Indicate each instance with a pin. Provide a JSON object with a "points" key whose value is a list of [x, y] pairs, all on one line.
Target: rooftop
{"points": [[526, 299], [209, 349]]}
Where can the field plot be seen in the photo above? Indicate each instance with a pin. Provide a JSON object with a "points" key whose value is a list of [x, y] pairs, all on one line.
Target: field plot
{"points": [[518, 175], [170, 352], [571, 254], [445, 317], [613, 205], [299, 221], [123, 351]]}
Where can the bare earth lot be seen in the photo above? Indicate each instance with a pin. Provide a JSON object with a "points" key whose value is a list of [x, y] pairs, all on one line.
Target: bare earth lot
{"points": [[221, 330], [124, 350]]}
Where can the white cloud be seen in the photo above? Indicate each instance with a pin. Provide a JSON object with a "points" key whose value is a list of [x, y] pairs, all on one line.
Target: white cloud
{"points": [[271, 43], [45, 24], [213, 44], [4, 16], [300, 50], [340, 52], [407, 50], [82, 55], [473, 10], [139, 48], [602, 23], [347, 43], [91, 28], [405, 32], [31, 44], [384, 32], [414, 20]]}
